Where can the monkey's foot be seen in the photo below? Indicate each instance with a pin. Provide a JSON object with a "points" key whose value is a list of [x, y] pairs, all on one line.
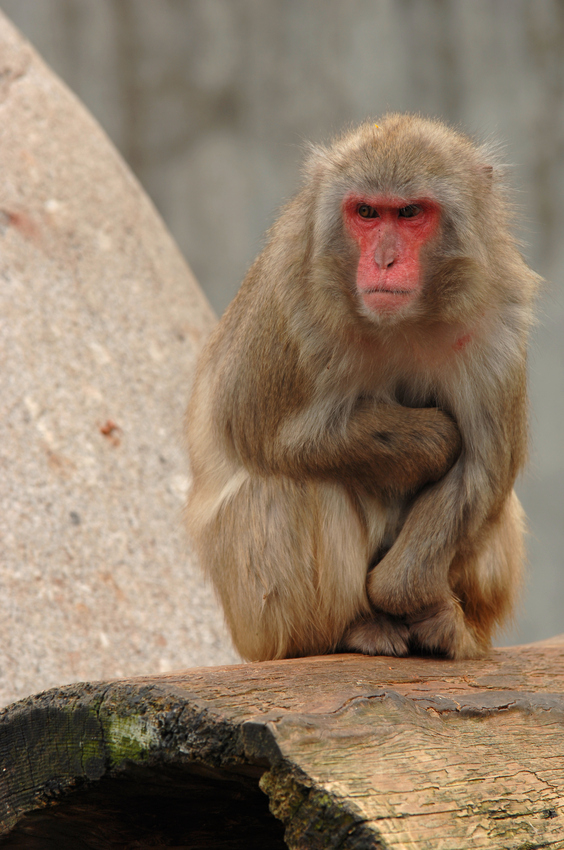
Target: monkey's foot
{"points": [[381, 636], [445, 632]]}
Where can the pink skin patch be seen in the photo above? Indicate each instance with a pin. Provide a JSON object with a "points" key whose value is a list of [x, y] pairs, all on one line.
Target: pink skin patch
{"points": [[462, 341], [390, 233]]}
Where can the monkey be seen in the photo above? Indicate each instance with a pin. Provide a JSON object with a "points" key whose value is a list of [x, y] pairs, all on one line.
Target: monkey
{"points": [[359, 414]]}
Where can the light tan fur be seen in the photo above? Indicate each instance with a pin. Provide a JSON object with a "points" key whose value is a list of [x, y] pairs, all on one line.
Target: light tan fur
{"points": [[353, 472]]}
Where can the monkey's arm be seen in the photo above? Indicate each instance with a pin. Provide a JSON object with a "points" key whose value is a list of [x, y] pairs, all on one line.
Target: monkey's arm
{"points": [[385, 448]]}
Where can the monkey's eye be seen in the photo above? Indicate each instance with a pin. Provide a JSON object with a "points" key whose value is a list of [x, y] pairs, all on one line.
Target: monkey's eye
{"points": [[410, 211], [366, 211]]}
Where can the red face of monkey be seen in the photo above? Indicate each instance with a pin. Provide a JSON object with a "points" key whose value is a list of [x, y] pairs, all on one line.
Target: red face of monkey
{"points": [[391, 235]]}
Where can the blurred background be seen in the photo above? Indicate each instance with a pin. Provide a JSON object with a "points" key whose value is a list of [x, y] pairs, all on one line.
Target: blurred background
{"points": [[211, 101]]}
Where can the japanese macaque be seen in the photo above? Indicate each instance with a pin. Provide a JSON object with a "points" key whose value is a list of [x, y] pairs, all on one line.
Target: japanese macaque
{"points": [[359, 414]]}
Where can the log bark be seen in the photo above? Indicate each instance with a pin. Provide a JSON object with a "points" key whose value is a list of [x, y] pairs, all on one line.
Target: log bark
{"points": [[351, 752]]}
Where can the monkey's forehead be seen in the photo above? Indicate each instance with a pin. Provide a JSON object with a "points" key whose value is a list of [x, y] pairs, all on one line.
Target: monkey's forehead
{"points": [[404, 155]]}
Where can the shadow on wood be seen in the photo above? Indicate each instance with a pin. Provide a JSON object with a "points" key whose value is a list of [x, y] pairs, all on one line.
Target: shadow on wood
{"points": [[348, 751]]}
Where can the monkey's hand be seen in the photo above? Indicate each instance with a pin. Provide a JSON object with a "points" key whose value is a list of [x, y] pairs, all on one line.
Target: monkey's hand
{"points": [[413, 576], [410, 447]]}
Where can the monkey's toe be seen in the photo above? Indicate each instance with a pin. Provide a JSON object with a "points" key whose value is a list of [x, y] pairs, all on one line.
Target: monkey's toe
{"points": [[382, 635]]}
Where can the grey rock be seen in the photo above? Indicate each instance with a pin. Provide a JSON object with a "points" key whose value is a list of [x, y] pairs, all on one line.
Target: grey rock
{"points": [[100, 324]]}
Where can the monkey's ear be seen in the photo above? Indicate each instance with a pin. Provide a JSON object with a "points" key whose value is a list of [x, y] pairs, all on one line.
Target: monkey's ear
{"points": [[485, 174], [316, 162]]}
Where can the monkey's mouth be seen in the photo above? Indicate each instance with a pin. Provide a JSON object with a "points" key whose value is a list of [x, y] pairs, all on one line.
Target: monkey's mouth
{"points": [[380, 300], [389, 291]]}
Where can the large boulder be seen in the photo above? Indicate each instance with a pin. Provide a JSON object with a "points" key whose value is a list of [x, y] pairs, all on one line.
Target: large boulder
{"points": [[100, 324]]}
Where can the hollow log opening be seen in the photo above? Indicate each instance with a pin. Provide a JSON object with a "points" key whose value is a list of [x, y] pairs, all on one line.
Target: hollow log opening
{"points": [[161, 807]]}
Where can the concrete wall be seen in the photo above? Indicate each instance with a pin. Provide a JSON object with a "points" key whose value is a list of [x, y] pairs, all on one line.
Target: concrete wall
{"points": [[210, 102]]}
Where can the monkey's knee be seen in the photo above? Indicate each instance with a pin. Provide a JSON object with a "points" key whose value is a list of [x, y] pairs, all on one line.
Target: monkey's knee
{"points": [[381, 635], [289, 564]]}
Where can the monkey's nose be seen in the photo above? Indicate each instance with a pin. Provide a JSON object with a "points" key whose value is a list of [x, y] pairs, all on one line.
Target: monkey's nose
{"points": [[384, 257], [385, 250]]}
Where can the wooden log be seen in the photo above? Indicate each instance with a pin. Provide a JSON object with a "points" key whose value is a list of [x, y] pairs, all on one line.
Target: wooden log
{"points": [[350, 752]]}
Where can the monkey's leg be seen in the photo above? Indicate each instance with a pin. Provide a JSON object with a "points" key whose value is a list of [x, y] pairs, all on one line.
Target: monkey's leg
{"points": [[486, 580], [289, 561]]}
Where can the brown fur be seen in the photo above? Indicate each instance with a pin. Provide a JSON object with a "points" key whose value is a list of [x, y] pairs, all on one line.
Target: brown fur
{"points": [[329, 445]]}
